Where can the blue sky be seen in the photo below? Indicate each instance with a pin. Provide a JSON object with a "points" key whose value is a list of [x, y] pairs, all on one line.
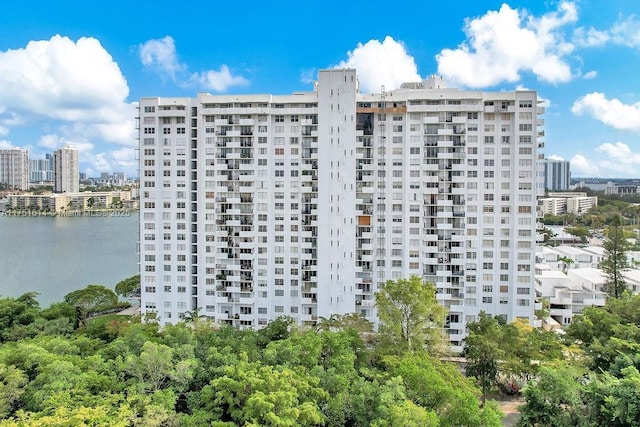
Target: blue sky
{"points": [[71, 72]]}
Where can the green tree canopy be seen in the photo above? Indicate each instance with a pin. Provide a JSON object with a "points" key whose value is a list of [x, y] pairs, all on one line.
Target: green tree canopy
{"points": [[410, 316], [91, 300], [129, 287], [615, 261], [484, 346], [554, 398]]}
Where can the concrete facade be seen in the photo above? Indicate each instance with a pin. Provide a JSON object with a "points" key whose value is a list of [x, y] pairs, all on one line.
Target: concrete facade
{"points": [[14, 168], [257, 206]]}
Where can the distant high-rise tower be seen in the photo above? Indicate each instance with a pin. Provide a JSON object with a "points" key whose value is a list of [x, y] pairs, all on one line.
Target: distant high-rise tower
{"points": [[557, 175], [66, 168], [14, 168], [41, 170]]}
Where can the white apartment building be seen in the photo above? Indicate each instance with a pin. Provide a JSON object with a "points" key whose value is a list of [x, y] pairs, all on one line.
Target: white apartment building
{"points": [[258, 206], [41, 170], [14, 168], [552, 205], [569, 294], [66, 202], [66, 170], [576, 203], [581, 205]]}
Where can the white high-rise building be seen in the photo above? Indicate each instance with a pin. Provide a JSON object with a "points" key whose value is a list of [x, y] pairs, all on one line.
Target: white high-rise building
{"points": [[41, 170], [66, 170], [14, 168], [258, 206]]}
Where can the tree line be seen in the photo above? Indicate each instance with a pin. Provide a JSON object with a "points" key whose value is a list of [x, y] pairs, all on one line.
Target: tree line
{"points": [[59, 366], [56, 370]]}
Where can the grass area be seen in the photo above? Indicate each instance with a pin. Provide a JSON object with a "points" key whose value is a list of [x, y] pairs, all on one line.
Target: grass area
{"points": [[108, 318]]}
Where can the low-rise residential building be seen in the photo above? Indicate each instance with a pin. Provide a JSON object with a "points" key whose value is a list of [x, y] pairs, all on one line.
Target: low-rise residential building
{"points": [[570, 279], [552, 205], [576, 203], [580, 205], [568, 294], [58, 203], [621, 189]]}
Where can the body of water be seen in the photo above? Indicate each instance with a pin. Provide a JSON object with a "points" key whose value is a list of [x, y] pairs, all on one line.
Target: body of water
{"points": [[56, 255]]}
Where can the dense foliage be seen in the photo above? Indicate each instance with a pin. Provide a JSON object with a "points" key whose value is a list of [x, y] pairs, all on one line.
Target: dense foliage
{"points": [[118, 371], [114, 370], [598, 384]]}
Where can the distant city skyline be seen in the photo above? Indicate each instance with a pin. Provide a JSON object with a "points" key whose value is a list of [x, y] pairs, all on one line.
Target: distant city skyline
{"points": [[70, 76]]}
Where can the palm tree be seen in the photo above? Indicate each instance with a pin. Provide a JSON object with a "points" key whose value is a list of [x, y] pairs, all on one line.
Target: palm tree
{"points": [[192, 316], [566, 262]]}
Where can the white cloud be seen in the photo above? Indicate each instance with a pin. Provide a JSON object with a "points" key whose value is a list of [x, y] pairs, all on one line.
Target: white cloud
{"points": [[5, 145], [590, 37], [620, 153], [610, 160], [76, 83], [53, 142], [9, 118], [502, 44], [387, 63], [119, 160], [122, 132], [581, 166], [125, 159], [611, 112], [50, 142], [590, 74], [308, 76], [62, 79], [220, 80], [160, 55], [555, 157], [97, 163], [625, 32]]}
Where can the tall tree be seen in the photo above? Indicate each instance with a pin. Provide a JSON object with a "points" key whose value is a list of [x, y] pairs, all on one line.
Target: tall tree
{"points": [[91, 300], [129, 287], [615, 259], [410, 317], [483, 348]]}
